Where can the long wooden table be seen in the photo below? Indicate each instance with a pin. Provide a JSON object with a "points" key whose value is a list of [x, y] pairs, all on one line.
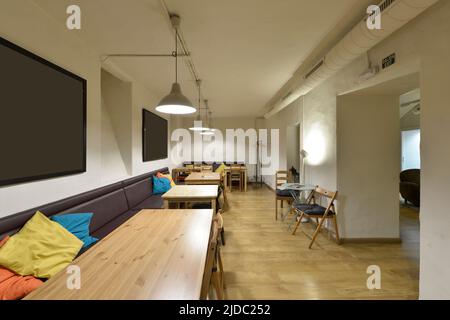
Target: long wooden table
{"points": [[192, 194], [156, 255], [203, 178]]}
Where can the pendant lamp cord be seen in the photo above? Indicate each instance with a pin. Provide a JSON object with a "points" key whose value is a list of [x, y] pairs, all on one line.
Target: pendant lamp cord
{"points": [[176, 55]]}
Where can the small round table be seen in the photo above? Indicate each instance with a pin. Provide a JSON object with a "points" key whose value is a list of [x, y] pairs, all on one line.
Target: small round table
{"points": [[297, 191]]}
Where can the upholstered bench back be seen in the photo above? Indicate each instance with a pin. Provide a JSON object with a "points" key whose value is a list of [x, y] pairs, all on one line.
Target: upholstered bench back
{"points": [[107, 203]]}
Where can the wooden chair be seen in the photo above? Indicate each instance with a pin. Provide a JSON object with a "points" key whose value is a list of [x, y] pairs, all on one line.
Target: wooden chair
{"points": [[223, 186], [207, 168], [213, 276], [235, 176], [281, 177], [313, 210], [221, 230]]}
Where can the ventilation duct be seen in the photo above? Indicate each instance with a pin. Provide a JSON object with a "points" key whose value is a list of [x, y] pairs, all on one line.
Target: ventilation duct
{"points": [[395, 14]]}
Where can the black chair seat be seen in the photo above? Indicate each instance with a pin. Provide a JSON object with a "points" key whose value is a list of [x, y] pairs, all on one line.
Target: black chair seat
{"points": [[312, 209]]}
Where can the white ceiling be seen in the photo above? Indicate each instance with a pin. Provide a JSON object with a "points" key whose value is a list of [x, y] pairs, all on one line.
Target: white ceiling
{"points": [[244, 50]]}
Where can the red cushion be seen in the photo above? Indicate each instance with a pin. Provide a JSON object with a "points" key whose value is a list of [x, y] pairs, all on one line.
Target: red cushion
{"points": [[3, 241], [13, 286]]}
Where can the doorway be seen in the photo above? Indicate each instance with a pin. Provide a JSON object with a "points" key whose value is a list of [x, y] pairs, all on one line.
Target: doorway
{"points": [[293, 157], [370, 160]]}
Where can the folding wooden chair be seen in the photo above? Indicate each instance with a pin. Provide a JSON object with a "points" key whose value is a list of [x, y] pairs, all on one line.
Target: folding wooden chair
{"points": [[281, 177], [214, 275], [313, 210]]}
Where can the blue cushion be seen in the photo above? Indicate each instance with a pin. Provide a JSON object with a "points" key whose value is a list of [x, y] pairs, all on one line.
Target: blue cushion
{"points": [[160, 185], [78, 225]]}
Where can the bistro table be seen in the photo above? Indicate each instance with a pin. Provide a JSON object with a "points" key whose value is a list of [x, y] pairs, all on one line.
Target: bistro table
{"points": [[297, 191]]}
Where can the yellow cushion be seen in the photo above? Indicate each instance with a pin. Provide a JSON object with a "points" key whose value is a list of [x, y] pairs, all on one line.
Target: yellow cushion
{"points": [[221, 168], [41, 248]]}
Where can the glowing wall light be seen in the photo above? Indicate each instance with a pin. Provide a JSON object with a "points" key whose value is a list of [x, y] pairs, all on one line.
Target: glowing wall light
{"points": [[315, 145]]}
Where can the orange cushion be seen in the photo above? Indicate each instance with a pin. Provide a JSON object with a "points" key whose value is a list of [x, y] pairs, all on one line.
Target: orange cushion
{"points": [[167, 176], [14, 287], [3, 241]]}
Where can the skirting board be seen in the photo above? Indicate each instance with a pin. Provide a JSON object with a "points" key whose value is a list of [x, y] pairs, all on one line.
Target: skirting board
{"points": [[370, 240]]}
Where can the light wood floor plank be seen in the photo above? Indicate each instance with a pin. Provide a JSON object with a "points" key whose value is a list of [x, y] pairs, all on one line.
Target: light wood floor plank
{"points": [[264, 261]]}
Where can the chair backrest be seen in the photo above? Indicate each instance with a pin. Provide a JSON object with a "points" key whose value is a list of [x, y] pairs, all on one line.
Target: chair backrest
{"points": [[282, 177], [412, 175], [323, 193], [207, 168], [235, 170], [210, 260], [219, 219]]}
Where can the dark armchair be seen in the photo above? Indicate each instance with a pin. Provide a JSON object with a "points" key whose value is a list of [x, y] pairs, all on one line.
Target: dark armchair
{"points": [[410, 186]]}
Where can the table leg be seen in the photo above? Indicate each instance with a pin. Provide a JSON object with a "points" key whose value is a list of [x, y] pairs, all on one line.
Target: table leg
{"points": [[213, 205], [166, 204], [225, 199], [245, 181]]}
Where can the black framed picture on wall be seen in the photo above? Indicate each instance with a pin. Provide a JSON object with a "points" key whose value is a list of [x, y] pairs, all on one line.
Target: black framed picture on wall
{"points": [[154, 137]]}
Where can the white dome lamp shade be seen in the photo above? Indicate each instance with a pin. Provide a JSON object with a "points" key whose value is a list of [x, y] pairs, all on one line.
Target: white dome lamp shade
{"points": [[175, 102]]}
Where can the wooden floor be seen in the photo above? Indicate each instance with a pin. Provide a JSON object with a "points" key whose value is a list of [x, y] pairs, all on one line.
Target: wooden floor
{"points": [[263, 260]]}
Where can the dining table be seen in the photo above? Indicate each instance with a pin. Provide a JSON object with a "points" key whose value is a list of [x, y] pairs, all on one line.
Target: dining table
{"points": [[187, 194], [155, 255], [208, 178]]}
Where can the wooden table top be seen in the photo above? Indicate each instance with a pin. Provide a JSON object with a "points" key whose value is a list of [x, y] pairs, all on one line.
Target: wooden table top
{"points": [[203, 176], [192, 191], [243, 168], [156, 255]]}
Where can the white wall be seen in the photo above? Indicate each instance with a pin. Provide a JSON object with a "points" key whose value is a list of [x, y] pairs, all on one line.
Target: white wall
{"points": [[116, 128], [367, 166], [25, 24], [433, 36], [291, 116], [293, 147]]}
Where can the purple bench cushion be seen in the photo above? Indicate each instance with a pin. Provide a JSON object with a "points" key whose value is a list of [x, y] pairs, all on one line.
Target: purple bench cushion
{"points": [[138, 192], [133, 180], [107, 203], [152, 202], [13, 223], [105, 208], [114, 224]]}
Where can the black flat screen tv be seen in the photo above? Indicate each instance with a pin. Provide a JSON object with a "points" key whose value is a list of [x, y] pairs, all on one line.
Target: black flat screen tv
{"points": [[154, 136], [42, 118]]}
